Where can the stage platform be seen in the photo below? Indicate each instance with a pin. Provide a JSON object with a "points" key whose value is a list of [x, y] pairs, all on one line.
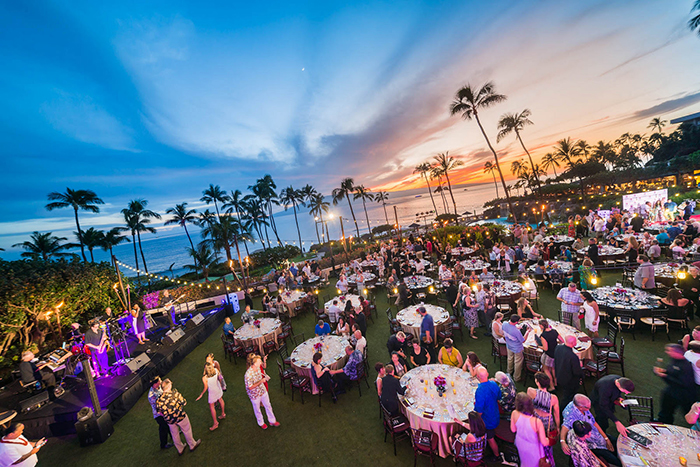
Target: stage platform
{"points": [[118, 394]]}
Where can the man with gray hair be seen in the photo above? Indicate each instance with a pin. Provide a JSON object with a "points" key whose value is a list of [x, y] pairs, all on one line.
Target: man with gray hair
{"points": [[580, 410], [171, 406]]}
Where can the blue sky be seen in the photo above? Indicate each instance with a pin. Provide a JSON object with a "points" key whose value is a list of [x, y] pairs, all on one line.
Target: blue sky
{"points": [[159, 99]]}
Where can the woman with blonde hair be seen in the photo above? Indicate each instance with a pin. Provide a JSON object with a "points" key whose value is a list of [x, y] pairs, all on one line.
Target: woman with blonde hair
{"points": [[210, 359], [255, 380], [525, 310], [212, 384]]}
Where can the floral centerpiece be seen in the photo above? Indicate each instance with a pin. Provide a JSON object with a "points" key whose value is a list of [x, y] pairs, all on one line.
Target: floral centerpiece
{"points": [[256, 323], [440, 384], [318, 346]]}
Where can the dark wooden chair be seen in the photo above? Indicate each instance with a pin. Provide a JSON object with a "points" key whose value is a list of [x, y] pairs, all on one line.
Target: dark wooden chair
{"points": [[641, 413], [625, 320], [394, 326], [320, 390], [456, 327], [395, 425], [597, 367], [270, 345], [607, 342], [361, 375], [618, 358], [658, 319], [424, 443], [499, 351], [285, 375], [532, 362], [472, 450], [298, 339], [302, 383], [284, 355]]}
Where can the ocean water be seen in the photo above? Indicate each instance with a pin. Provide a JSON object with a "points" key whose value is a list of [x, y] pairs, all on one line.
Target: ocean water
{"points": [[167, 249]]}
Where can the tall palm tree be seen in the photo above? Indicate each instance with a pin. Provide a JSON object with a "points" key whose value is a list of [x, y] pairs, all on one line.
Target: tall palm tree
{"points": [[182, 216], [112, 238], [264, 189], [514, 123], [658, 124], [317, 206], [347, 187], [254, 214], [424, 170], [694, 22], [92, 239], [84, 200], [448, 163], [363, 193], [234, 203], [549, 160], [382, 196], [570, 153], [436, 173], [214, 194], [291, 197], [604, 153], [468, 103], [44, 246], [204, 257], [490, 167], [138, 217]]}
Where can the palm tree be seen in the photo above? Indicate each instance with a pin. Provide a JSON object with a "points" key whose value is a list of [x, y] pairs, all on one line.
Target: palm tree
{"points": [[203, 256], [264, 189], [382, 196], [436, 173], [347, 186], [214, 194], [657, 124], [317, 206], [570, 153], [138, 218], [424, 169], [254, 214], [291, 197], [92, 238], [205, 218], [468, 103], [604, 153], [182, 216], [549, 160], [234, 203], [85, 200], [363, 193], [448, 163], [490, 167], [514, 123], [694, 22], [584, 148], [112, 238], [44, 246]]}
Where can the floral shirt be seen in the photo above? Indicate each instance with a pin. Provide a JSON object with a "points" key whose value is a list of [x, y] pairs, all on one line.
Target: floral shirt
{"points": [[153, 396], [252, 376], [508, 393], [581, 454], [350, 368], [170, 405], [571, 414]]}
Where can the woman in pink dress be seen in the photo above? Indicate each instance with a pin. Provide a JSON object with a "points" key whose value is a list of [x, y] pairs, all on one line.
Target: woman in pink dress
{"points": [[530, 437]]}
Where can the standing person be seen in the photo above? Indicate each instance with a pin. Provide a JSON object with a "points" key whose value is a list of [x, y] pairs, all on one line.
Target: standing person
{"points": [[680, 390], [691, 290], [427, 332], [608, 392], [170, 404], [96, 342], [593, 251], [210, 359], [546, 409], [571, 302], [693, 356], [154, 394], [396, 344], [568, 370], [548, 342], [514, 346], [216, 393], [591, 313], [17, 450], [486, 404], [644, 276], [255, 381], [138, 324], [530, 437]]}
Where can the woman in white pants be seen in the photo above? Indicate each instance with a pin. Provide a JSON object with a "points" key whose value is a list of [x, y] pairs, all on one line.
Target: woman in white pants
{"points": [[256, 386]]}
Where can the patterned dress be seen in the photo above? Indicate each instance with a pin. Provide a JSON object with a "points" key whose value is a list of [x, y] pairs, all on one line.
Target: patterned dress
{"points": [[471, 316], [543, 402]]}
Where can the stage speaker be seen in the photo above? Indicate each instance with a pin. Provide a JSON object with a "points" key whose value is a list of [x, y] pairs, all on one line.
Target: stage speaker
{"points": [[195, 321], [134, 365], [173, 336], [95, 430], [228, 308], [34, 402]]}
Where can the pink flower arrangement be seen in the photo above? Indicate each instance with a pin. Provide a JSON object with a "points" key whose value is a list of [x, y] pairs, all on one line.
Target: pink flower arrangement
{"points": [[257, 322], [440, 381], [318, 346], [151, 300]]}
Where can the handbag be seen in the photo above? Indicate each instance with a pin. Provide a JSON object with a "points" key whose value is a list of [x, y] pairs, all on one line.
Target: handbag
{"points": [[552, 433], [544, 462]]}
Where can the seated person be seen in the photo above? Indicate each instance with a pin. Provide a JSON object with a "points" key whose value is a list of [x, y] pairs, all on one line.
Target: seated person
{"points": [[29, 372], [324, 379], [249, 315], [581, 454], [400, 367], [486, 276], [228, 328], [348, 373], [419, 354], [322, 328], [390, 391], [663, 238], [477, 434], [449, 355]]}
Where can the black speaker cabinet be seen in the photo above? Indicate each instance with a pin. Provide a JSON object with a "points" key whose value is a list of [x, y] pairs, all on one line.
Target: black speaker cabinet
{"points": [[34, 402], [95, 430]]}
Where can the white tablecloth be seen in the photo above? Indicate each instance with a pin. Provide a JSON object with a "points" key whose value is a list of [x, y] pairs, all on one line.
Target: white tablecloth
{"points": [[251, 334], [332, 348], [410, 319]]}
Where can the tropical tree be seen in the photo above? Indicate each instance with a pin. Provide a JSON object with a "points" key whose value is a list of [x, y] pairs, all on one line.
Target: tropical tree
{"points": [[364, 194], [214, 194], [448, 163], [694, 22], [550, 161], [514, 123], [92, 239], [182, 216], [436, 173], [137, 218], [604, 153], [424, 170], [83, 200], [264, 189], [468, 103], [382, 196], [205, 218], [291, 197], [112, 238], [255, 216], [568, 152], [657, 124], [204, 257], [234, 203], [44, 246], [347, 187], [317, 206], [490, 167]]}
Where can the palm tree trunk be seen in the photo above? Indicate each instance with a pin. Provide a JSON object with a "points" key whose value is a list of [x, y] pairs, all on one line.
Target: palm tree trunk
{"points": [[267, 237], [218, 216], [317, 236], [387, 217], [369, 227], [196, 269], [294, 206], [532, 164], [92, 257], [498, 166], [357, 228], [273, 224], [442, 195], [495, 183], [136, 255], [555, 172], [447, 177], [430, 192], [240, 263], [145, 267], [80, 235]]}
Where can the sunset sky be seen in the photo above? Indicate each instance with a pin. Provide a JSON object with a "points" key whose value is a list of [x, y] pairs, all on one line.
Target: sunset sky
{"points": [[158, 99]]}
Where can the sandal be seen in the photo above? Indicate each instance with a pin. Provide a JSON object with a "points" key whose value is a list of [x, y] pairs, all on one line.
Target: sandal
{"points": [[212, 428], [222, 416]]}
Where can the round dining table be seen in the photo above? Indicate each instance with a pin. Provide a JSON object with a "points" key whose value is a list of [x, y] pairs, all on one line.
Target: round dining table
{"points": [[619, 298], [605, 253], [559, 239], [474, 264], [464, 251], [410, 320], [367, 277], [508, 291], [428, 408], [565, 266], [292, 299], [666, 273], [257, 334], [670, 445], [331, 347], [583, 348], [418, 282], [342, 300]]}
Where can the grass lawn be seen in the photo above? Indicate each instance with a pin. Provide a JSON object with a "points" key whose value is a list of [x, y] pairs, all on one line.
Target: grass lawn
{"points": [[347, 433]]}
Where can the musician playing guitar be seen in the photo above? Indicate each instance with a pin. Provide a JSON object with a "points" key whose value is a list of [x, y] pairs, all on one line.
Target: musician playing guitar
{"points": [[97, 342]]}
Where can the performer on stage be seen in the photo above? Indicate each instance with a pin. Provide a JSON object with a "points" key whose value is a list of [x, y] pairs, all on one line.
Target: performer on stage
{"points": [[96, 341], [138, 324], [29, 372], [167, 302]]}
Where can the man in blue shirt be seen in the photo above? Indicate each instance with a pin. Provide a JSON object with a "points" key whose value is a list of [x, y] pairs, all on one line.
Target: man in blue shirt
{"points": [[486, 403], [348, 373], [427, 332], [663, 238], [228, 328], [673, 231], [322, 328], [514, 345]]}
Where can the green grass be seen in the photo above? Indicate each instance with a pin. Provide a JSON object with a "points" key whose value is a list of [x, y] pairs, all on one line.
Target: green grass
{"points": [[347, 433]]}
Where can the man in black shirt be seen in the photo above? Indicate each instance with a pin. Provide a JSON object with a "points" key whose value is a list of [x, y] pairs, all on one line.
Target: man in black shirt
{"points": [[391, 388], [567, 368], [29, 372], [607, 392], [396, 343], [96, 341], [451, 292], [691, 290], [593, 251], [680, 390], [637, 222]]}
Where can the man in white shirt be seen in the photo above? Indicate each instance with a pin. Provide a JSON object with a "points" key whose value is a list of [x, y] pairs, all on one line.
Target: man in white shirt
{"points": [[334, 312], [361, 342], [17, 450]]}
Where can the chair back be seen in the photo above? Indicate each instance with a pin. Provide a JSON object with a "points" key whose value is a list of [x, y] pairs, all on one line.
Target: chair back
{"points": [[423, 440], [465, 452], [531, 355], [643, 412], [298, 338], [612, 334], [566, 318], [602, 363], [283, 352], [621, 353], [280, 368]]}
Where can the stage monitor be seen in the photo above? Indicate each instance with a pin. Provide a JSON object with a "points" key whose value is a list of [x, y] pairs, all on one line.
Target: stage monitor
{"points": [[633, 202]]}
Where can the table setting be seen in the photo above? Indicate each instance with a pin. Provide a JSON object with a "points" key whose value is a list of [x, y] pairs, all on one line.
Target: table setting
{"points": [[625, 236], [605, 252], [410, 320], [342, 299], [292, 299], [366, 278], [666, 273], [506, 289], [565, 266], [436, 395], [331, 347], [369, 264], [418, 282], [258, 331], [474, 265], [624, 298], [583, 347], [463, 251], [559, 239], [668, 445]]}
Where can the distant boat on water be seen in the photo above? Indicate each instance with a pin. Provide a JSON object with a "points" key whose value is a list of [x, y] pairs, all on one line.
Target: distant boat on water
{"points": [[419, 196]]}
